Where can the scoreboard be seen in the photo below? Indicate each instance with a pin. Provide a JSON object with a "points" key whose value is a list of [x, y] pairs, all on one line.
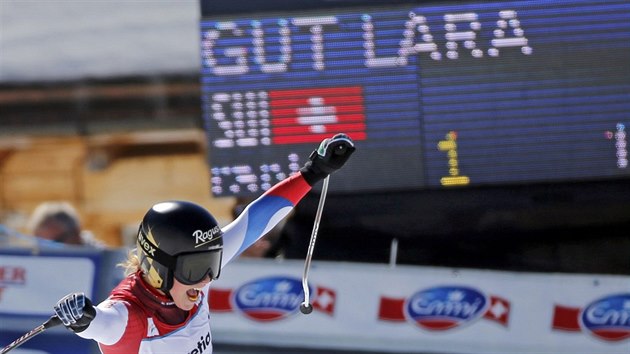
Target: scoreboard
{"points": [[437, 94]]}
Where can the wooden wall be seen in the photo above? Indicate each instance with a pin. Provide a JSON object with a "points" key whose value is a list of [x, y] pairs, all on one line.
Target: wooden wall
{"points": [[111, 179]]}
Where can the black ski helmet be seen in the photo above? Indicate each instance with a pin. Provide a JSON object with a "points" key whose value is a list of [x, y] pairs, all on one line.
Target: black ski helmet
{"points": [[181, 240]]}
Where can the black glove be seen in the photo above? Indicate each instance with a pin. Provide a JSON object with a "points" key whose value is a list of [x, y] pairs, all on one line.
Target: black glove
{"points": [[75, 311], [328, 158]]}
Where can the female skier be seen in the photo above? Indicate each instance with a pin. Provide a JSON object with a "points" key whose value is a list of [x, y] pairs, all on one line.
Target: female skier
{"points": [[162, 305]]}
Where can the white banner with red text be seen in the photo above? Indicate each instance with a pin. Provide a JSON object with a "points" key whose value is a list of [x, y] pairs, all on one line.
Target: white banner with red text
{"points": [[31, 285], [420, 309]]}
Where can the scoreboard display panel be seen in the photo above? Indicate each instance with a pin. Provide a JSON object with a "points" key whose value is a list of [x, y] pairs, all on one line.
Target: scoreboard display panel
{"points": [[435, 94]]}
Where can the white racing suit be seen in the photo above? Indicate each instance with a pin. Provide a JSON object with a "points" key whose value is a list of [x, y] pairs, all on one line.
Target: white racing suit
{"points": [[135, 318]]}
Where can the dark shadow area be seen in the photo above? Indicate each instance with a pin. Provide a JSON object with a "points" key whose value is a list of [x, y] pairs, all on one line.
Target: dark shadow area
{"points": [[570, 227]]}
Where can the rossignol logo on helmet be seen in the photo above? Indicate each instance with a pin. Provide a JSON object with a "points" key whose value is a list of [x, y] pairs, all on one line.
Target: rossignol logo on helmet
{"points": [[146, 245], [203, 237]]}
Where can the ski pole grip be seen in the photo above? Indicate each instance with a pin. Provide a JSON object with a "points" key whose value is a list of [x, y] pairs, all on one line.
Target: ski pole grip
{"points": [[52, 322]]}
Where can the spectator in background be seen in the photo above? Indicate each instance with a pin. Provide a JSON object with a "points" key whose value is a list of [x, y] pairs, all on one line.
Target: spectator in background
{"points": [[59, 222]]}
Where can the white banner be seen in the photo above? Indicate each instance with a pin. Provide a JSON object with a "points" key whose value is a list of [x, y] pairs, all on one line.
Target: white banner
{"points": [[422, 309], [31, 285]]}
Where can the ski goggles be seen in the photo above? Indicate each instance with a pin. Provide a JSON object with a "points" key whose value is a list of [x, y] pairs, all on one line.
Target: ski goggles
{"points": [[192, 268]]}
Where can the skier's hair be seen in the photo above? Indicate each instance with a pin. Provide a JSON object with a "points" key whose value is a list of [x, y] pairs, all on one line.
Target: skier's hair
{"points": [[132, 263]]}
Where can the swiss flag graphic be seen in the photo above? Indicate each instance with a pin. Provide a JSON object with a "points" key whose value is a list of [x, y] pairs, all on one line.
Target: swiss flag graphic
{"points": [[311, 115], [325, 300], [498, 311]]}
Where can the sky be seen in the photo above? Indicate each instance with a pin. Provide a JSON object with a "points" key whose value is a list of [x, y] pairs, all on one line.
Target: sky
{"points": [[48, 40]]}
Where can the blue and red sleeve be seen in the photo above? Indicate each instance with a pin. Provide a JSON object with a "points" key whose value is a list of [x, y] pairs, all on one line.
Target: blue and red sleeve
{"points": [[262, 215]]}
